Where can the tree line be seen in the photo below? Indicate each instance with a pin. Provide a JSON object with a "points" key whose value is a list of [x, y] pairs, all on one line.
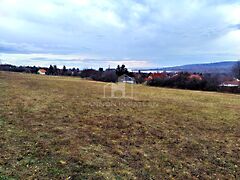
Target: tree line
{"points": [[209, 82]]}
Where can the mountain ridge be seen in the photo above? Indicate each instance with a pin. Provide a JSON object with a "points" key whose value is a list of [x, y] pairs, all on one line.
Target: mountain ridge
{"points": [[216, 67]]}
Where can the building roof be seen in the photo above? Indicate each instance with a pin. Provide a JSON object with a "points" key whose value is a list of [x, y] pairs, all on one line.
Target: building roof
{"points": [[158, 75], [233, 83], [42, 70], [125, 78], [196, 76]]}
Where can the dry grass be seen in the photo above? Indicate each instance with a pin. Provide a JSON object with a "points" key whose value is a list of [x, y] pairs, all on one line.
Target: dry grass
{"points": [[60, 127]]}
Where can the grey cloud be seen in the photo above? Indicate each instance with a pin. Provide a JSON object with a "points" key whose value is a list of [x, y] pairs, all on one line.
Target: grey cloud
{"points": [[145, 29]]}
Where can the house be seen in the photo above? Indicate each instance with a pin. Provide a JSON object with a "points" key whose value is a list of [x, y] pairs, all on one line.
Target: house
{"points": [[126, 79], [230, 86], [196, 77], [42, 71], [162, 75], [233, 83]]}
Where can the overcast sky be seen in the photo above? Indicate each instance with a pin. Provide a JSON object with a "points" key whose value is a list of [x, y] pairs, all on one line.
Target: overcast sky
{"points": [[138, 33]]}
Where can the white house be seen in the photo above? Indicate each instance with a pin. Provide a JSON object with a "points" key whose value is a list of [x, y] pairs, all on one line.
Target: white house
{"points": [[126, 79], [42, 71], [233, 83]]}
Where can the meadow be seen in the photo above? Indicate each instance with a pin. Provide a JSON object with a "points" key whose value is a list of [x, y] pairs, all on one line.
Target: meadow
{"points": [[64, 128]]}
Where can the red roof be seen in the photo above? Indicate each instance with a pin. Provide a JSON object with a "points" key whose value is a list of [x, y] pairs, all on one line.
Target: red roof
{"points": [[42, 70], [158, 75], [195, 76]]}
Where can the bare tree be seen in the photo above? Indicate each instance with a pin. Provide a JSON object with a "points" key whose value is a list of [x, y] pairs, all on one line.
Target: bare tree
{"points": [[236, 70]]}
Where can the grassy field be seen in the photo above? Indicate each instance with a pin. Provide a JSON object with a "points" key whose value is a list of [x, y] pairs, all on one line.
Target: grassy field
{"points": [[63, 128]]}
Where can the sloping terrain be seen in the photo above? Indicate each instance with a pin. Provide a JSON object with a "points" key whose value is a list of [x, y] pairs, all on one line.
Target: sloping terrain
{"points": [[63, 127]]}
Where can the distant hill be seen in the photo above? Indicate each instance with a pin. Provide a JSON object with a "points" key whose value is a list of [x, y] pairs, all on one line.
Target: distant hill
{"points": [[218, 67]]}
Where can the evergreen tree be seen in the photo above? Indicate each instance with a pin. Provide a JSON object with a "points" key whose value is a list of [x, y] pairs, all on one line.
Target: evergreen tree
{"points": [[64, 71], [236, 70], [121, 70], [50, 70], [55, 70]]}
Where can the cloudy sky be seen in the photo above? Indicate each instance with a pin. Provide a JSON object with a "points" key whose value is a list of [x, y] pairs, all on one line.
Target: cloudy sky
{"points": [[138, 33]]}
